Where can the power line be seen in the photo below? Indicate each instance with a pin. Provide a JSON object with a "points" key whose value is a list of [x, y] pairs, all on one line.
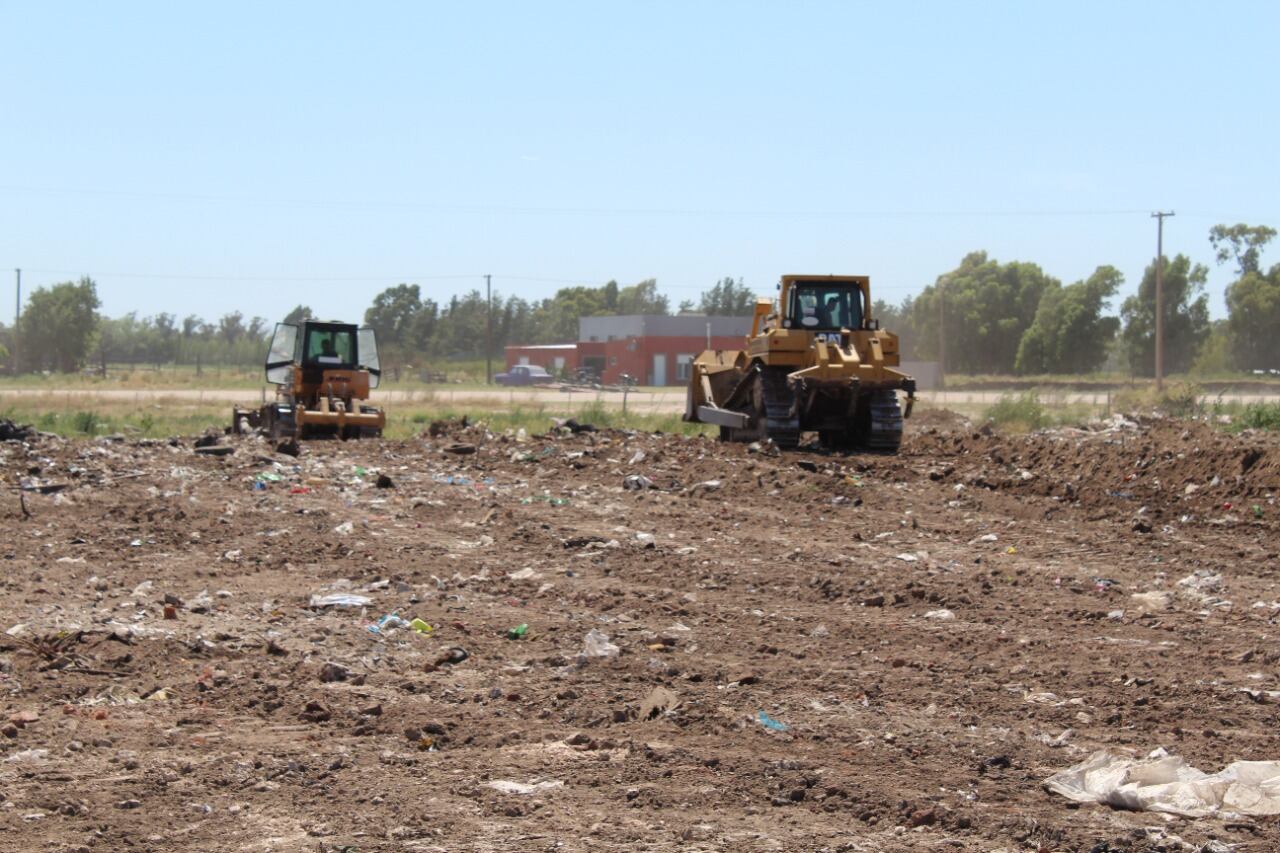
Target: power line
{"points": [[571, 210]]}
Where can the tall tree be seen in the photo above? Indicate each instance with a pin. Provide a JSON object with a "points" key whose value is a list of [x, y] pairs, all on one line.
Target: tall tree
{"points": [[643, 298], [298, 314], [1253, 299], [59, 325], [231, 327], [1186, 317], [1242, 242], [1069, 333], [728, 298], [393, 314], [987, 307]]}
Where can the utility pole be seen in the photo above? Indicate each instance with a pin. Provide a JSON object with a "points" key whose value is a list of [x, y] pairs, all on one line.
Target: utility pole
{"points": [[1159, 217], [17, 318], [942, 336], [488, 331]]}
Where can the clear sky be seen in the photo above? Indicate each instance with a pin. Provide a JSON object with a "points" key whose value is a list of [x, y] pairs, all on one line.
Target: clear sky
{"points": [[203, 158]]}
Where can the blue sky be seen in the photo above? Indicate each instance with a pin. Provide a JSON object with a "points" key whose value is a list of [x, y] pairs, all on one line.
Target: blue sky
{"points": [[203, 158]]}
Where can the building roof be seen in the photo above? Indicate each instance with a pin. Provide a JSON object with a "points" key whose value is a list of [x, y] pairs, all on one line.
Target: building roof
{"points": [[543, 346], [618, 326]]}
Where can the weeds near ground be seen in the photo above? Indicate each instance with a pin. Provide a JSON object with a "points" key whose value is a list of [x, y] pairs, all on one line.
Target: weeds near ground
{"points": [[1178, 399], [1018, 413]]}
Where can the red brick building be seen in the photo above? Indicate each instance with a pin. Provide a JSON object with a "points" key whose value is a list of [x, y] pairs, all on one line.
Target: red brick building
{"points": [[656, 350]]}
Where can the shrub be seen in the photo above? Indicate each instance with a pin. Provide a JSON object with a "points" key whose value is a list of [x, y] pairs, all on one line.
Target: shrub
{"points": [[86, 423], [1260, 416], [1019, 412]]}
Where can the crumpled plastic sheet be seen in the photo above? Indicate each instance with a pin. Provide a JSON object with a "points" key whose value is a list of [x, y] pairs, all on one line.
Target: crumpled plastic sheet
{"points": [[1166, 783]]}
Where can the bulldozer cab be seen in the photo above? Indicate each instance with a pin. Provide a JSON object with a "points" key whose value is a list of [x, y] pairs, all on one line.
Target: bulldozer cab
{"points": [[316, 347], [823, 304]]}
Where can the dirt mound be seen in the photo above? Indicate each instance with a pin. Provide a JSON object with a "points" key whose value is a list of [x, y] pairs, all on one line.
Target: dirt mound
{"points": [[611, 640]]}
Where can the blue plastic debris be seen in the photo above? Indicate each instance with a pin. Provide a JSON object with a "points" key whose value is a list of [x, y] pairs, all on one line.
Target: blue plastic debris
{"points": [[770, 723]]}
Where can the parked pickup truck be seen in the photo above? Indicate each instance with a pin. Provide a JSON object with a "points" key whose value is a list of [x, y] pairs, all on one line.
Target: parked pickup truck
{"points": [[525, 374]]}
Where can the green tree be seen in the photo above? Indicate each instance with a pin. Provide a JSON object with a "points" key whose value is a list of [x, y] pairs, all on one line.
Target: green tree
{"points": [[1242, 242], [1253, 319], [1253, 299], [1069, 333], [231, 327], [298, 314], [643, 298], [728, 298], [1186, 317], [59, 325], [556, 319], [394, 313], [987, 308]]}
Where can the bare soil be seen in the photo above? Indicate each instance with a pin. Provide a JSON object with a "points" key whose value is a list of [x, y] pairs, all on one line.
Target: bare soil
{"points": [[856, 652]]}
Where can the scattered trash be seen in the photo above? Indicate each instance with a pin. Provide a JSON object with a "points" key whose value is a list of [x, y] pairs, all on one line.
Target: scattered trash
{"points": [[420, 626], [1257, 511], [10, 431], [1011, 550], [1154, 600], [518, 632], [1166, 783], [27, 756], [658, 702], [453, 655], [340, 599], [770, 723], [573, 426], [216, 450], [508, 787], [596, 645], [706, 486], [636, 483], [637, 457], [459, 449], [384, 482], [941, 615], [344, 529], [389, 622], [908, 558]]}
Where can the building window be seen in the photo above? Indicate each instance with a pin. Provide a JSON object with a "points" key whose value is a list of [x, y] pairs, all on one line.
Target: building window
{"points": [[612, 338], [593, 339], [613, 361], [684, 367]]}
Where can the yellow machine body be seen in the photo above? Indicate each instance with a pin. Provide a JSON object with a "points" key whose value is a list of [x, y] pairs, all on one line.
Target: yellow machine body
{"points": [[816, 360]]}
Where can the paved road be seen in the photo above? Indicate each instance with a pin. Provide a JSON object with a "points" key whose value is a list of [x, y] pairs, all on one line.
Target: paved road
{"points": [[652, 402]]}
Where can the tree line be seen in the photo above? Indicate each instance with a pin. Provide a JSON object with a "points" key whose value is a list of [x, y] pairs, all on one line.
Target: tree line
{"points": [[985, 317], [990, 317], [62, 330]]}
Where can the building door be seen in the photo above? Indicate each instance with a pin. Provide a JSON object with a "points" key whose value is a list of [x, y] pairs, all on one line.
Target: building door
{"points": [[659, 368]]}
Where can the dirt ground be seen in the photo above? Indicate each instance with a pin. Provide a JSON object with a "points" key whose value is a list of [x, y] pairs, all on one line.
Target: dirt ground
{"points": [[814, 652]]}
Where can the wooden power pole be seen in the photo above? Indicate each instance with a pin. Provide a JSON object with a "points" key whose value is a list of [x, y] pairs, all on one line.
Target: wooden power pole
{"points": [[1159, 217]]}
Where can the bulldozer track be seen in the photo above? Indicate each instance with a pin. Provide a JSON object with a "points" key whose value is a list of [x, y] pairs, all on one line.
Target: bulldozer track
{"points": [[782, 424], [885, 431]]}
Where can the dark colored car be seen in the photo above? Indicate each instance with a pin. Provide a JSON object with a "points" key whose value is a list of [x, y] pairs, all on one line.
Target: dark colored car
{"points": [[525, 374]]}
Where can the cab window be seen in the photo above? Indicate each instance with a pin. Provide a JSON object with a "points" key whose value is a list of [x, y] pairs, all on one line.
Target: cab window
{"points": [[329, 347], [826, 306]]}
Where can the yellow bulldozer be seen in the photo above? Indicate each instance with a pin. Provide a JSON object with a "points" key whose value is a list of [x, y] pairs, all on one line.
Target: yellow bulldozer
{"points": [[323, 373], [816, 361]]}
